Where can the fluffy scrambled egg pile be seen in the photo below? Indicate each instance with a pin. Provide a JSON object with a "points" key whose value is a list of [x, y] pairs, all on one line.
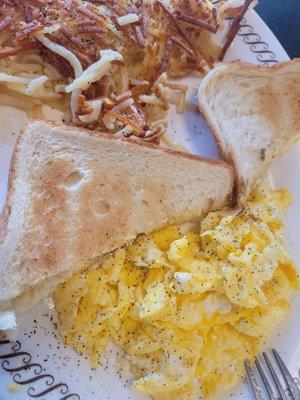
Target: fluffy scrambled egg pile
{"points": [[187, 308]]}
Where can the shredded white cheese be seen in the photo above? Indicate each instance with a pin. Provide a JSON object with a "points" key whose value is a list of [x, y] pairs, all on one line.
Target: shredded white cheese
{"points": [[95, 71], [51, 29], [71, 58], [31, 85], [13, 79], [151, 99], [62, 51], [234, 3], [128, 19], [35, 84], [60, 88], [109, 122], [138, 82], [74, 102], [122, 106], [124, 131], [94, 115]]}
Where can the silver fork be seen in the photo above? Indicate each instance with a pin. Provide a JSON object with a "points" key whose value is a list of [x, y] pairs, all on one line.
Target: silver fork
{"points": [[293, 391]]}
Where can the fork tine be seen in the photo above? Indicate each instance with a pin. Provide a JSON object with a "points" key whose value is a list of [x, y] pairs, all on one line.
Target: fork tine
{"points": [[283, 395], [287, 376], [252, 378], [271, 394]]}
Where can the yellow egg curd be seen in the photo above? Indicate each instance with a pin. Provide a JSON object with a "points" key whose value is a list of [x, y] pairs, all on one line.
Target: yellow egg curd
{"points": [[186, 308]]}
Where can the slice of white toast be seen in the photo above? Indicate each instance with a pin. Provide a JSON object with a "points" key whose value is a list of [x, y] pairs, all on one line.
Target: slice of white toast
{"points": [[75, 195], [254, 114]]}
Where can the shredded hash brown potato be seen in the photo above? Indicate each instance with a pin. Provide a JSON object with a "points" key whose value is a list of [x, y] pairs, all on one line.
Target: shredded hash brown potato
{"points": [[107, 64]]}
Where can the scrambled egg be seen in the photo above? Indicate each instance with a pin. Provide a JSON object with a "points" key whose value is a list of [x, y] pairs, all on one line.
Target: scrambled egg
{"points": [[187, 308]]}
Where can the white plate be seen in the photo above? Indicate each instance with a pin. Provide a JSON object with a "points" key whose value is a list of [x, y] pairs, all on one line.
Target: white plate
{"points": [[57, 373]]}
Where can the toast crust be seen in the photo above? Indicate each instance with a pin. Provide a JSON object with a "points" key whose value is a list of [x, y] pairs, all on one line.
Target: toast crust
{"points": [[5, 213], [149, 145]]}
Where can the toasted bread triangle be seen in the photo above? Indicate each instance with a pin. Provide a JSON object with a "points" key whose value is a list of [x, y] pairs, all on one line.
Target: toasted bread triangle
{"points": [[254, 114], [75, 195]]}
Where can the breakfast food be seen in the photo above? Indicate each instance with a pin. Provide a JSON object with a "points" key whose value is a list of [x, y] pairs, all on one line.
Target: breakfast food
{"points": [[74, 196], [253, 113], [98, 219], [105, 65], [187, 307]]}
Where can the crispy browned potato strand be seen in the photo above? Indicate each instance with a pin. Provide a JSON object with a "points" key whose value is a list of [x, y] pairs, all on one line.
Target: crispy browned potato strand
{"points": [[162, 41]]}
